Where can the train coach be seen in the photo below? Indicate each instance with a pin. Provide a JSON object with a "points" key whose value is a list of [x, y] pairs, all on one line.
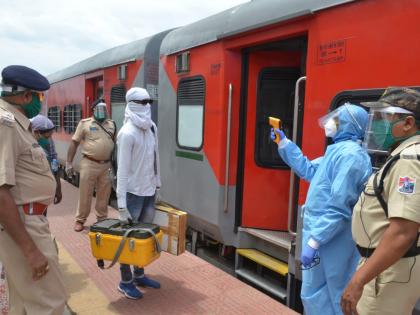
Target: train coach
{"points": [[216, 82]]}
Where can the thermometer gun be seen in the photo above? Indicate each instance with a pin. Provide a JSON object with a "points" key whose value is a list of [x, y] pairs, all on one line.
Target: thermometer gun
{"points": [[276, 124]]}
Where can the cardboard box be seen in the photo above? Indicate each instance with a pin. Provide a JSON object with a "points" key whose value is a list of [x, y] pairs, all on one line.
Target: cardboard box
{"points": [[173, 224]]}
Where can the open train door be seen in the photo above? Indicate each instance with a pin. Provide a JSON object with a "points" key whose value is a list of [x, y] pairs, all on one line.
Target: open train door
{"points": [[271, 78]]}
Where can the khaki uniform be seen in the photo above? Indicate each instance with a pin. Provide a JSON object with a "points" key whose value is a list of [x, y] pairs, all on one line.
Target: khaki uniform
{"points": [[24, 166], [97, 145], [396, 290]]}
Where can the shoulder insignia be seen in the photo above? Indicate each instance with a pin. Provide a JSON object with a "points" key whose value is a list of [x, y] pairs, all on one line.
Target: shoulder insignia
{"points": [[86, 119], [409, 153], [406, 185], [7, 118]]}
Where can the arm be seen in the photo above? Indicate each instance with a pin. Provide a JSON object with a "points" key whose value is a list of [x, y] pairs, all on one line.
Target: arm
{"points": [[72, 151], [395, 242], [10, 220], [58, 195], [300, 164], [125, 148]]}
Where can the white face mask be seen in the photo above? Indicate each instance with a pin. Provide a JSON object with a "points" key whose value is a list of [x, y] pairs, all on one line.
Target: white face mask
{"points": [[330, 128]]}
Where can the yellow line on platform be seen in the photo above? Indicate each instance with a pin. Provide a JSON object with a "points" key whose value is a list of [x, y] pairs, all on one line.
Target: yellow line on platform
{"points": [[85, 297]]}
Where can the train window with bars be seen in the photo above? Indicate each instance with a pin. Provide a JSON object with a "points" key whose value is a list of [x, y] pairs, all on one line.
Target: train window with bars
{"points": [[275, 97], [190, 113], [71, 117], [54, 114]]}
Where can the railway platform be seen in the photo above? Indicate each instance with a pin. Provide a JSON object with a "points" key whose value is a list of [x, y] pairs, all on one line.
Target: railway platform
{"points": [[190, 285]]}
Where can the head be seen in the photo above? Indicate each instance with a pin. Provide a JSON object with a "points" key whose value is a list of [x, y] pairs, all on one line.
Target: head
{"points": [[394, 118], [99, 110], [42, 128], [138, 96], [24, 87], [346, 122]]}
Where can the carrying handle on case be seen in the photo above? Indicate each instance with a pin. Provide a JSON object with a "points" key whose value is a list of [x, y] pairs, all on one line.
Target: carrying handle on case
{"points": [[122, 242]]}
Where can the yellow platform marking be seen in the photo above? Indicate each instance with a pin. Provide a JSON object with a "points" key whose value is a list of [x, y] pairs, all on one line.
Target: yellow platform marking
{"points": [[264, 260], [84, 296]]}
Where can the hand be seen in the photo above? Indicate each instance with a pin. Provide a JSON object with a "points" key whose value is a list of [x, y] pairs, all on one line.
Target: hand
{"points": [[38, 263], [124, 216], [308, 255], [276, 135], [69, 169], [350, 297], [58, 196]]}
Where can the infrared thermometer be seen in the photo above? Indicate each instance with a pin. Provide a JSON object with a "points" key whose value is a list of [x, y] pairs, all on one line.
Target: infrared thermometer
{"points": [[275, 124]]}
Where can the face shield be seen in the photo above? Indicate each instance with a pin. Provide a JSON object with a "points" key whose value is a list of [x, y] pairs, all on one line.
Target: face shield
{"points": [[330, 122], [379, 136], [100, 112]]}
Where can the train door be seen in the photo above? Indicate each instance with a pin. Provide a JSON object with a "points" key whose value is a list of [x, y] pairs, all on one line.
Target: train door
{"points": [[272, 76]]}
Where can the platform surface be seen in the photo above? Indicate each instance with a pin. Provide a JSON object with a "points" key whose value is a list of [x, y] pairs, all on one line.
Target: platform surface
{"points": [[190, 285]]}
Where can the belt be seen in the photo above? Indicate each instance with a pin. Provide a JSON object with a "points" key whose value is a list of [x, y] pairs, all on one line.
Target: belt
{"points": [[33, 208], [367, 252], [95, 160]]}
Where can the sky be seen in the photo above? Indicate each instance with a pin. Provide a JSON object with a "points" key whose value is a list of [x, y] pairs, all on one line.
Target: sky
{"points": [[49, 35]]}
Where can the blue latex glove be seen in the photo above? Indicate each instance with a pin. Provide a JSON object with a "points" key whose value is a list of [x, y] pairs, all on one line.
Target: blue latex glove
{"points": [[308, 255], [279, 132]]}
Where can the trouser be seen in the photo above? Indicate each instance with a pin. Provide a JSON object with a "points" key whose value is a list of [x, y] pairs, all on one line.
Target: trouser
{"points": [[93, 174], [46, 296], [142, 209], [394, 292]]}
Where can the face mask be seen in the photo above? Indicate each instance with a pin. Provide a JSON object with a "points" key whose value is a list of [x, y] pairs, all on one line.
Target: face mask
{"points": [[33, 108], [382, 133], [330, 128], [43, 142]]}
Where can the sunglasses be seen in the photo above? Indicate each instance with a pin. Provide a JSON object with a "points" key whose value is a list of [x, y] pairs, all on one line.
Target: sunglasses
{"points": [[144, 102]]}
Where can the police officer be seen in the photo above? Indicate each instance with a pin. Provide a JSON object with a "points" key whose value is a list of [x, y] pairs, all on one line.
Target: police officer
{"points": [[27, 187], [386, 219], [97, 134]]}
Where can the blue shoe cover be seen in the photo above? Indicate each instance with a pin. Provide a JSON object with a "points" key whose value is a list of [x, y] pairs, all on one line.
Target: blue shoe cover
{"points": [[146, 282], [130, 291]]}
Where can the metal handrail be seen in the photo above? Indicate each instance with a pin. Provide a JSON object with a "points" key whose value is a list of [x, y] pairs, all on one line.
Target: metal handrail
{"points": [[292, 174], [225, 209]]}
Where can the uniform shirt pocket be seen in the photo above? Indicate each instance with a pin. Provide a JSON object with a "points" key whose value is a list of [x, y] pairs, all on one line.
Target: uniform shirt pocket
{"points": [[40, 159]]}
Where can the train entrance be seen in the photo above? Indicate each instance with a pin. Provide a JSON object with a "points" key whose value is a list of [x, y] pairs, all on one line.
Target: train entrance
{"points": [[272, 72]]}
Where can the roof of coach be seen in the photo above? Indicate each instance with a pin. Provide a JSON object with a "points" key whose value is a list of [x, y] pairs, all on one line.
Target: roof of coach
{"points": [[107, 58], [244, 17]]}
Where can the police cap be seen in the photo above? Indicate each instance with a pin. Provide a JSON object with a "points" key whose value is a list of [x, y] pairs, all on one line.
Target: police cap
{"points": [[18, 78]]}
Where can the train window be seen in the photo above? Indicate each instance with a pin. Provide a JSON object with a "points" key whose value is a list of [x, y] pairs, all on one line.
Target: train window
{"points": [[54, 114], [275, 97], [122, 72], [182, 62], [71, 117], [190, 113]]}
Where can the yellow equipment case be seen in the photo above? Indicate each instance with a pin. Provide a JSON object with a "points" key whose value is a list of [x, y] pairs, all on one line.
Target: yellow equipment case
{"points": [[135, 244]]}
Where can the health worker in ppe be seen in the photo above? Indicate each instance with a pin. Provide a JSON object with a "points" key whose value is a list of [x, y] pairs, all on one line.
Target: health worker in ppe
{"points": [[329, 255]]}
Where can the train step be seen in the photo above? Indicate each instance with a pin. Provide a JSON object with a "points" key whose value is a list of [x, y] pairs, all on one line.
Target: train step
{"points": [[277, 238], [262, 270]]}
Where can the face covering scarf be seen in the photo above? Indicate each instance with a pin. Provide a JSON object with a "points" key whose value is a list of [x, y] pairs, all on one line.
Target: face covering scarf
{"points": [[139, 115]]}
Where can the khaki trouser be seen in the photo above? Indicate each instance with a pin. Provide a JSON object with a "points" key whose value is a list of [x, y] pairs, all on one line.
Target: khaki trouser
{"points": [[93, 174], [394, 292], [46, 296]]}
